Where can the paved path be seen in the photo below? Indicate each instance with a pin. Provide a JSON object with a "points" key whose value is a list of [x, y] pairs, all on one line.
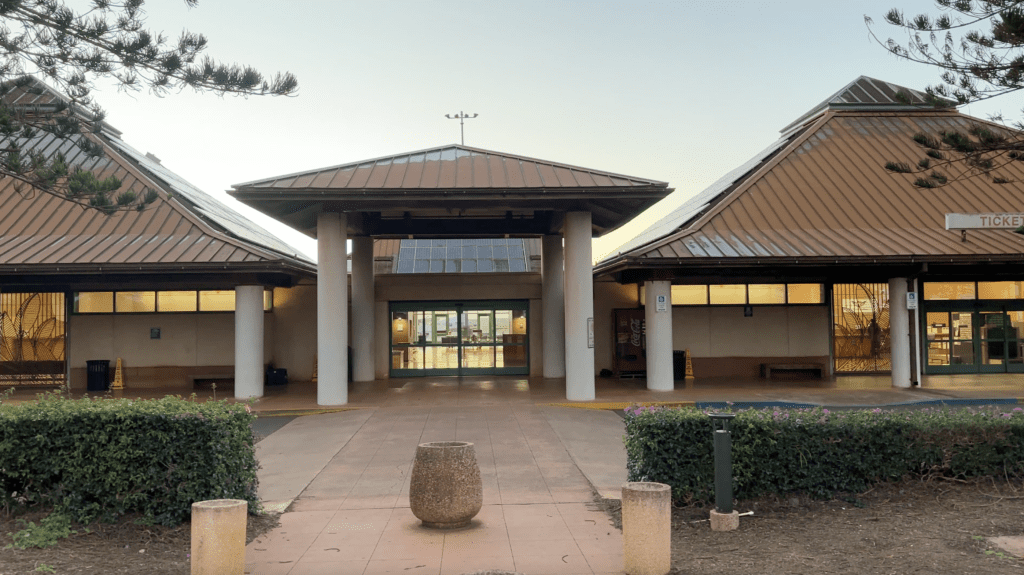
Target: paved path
{"points": [[348, 474]]}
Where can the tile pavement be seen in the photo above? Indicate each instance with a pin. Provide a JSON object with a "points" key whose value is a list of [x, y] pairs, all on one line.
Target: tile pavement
{"points": [[353, 516]]}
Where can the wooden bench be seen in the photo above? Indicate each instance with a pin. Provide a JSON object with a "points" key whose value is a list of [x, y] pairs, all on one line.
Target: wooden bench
{"points": [[768, 368]]}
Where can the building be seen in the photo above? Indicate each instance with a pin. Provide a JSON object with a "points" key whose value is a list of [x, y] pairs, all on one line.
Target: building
{"points": [[806, 255], [809, 257], [187, 289]]}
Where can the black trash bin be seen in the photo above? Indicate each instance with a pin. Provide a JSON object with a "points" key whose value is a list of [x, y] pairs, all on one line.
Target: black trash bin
{"points": [[678, 365], [97, 374], [277, 376]]}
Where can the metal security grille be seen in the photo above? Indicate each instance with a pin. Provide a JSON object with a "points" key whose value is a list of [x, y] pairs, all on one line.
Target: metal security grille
{"points": [[32, 329], [860, 328]]}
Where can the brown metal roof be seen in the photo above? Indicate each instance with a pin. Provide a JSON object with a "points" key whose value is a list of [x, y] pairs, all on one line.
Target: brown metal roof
{"points": [[866, 93], [826, 196], [40, 233], [465, 183], [454, 166]]}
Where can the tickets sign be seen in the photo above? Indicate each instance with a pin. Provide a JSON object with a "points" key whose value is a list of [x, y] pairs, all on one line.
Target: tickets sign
{"points": [[996, 221]]}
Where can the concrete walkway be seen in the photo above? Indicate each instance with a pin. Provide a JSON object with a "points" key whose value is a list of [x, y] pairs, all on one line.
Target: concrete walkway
{"points": [[343, 477], [348, 474]]}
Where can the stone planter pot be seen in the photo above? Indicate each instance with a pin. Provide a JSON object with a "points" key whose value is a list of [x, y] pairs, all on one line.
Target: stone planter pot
{"points": [[445, 490]]}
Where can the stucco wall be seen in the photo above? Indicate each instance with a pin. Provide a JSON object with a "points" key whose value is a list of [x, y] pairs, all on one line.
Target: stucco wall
{"points": [[722, 342], [190, 344], [294, 346]]}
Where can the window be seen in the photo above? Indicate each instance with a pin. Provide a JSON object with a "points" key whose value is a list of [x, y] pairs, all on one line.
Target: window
{"points": [[1001, 290], [766, 293], [179, 301], [948, 290], [94, 302], [804, 293], [690, 295], [176, 301], [742, 294], [462, 256], [135, 301], [728, 294], [217, 300]]}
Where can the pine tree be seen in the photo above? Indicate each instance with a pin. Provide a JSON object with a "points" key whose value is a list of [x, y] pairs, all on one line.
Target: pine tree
{"points": [[70, 50], [979, 47]]}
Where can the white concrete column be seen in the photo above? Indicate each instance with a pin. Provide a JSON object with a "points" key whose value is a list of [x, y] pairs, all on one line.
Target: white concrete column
{"points": [[362, 309], [332, 310], [659, 335], [579, 307], [899, 332], [553, 303], [248, 341]]}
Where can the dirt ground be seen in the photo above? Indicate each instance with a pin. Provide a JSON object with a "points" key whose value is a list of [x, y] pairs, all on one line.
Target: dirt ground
{"points": [[122, 547], [901, 528], [898, 528]]}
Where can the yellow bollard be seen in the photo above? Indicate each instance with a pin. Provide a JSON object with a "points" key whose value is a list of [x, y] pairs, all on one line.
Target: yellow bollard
{"points": [[646, 528], [218, 537], [689, 366]]}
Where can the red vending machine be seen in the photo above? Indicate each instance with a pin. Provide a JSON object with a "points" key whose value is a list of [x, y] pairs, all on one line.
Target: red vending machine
{"points": [[630, 343]]}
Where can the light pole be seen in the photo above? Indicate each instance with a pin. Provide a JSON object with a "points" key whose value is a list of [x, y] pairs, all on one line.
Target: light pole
{"points": [[461, 117]]}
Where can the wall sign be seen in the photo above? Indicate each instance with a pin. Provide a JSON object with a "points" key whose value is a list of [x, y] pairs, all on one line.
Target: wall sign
{"points": [[154, 333], [911, 300], [994, 221], [590, 332], [662, 303]]}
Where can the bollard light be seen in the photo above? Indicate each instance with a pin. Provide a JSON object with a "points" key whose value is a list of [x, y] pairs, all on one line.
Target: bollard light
{"points": [[723, 461]]}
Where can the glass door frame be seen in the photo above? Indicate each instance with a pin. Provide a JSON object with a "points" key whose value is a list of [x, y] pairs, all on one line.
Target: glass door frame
{"points": [[976, 308], [459, 307]]}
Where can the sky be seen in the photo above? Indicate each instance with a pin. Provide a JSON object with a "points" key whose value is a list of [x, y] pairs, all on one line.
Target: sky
{"points": [[680, 92]]}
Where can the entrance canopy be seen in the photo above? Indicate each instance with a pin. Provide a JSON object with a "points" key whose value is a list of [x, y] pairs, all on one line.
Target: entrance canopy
{"points": [[452, 191]]}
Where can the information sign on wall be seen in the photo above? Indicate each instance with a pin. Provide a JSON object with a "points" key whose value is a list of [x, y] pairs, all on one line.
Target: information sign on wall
{"points": [[662, 303], [911, 300]]}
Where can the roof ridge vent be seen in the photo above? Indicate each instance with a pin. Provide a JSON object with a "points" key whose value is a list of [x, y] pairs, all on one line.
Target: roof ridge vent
{"points": [[153, 157]]}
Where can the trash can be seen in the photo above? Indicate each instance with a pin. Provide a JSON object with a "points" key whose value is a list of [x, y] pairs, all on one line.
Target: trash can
{"points": [[678, 365], [97, 374], [277, 376]]}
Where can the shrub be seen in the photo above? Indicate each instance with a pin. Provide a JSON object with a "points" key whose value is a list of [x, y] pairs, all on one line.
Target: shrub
{"points": [[814, 451], [99, 459]]}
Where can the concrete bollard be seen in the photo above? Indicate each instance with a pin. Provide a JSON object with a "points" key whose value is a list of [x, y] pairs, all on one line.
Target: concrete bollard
{"points": [[218, 537], [646, 528]]}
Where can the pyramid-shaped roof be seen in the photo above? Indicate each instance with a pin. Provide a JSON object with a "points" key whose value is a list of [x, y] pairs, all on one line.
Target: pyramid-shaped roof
{"points": [[866, 93], [821, 193], [453, 177], [453, 166], [185, 227]]}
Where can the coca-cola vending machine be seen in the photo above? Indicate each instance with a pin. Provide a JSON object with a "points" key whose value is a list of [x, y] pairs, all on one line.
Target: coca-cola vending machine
{"points": [[630, 343]]}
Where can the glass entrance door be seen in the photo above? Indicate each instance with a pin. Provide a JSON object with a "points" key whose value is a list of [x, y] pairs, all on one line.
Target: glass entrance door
{"points": [[985, 340], [459, 338]]}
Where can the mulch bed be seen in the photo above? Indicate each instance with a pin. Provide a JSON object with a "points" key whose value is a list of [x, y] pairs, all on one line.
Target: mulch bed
{"points": [[110, 548], [907, 527]]}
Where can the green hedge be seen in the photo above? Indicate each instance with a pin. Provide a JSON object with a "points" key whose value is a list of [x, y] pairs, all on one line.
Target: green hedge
{"points": [[102, 458], [813, 451]]}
